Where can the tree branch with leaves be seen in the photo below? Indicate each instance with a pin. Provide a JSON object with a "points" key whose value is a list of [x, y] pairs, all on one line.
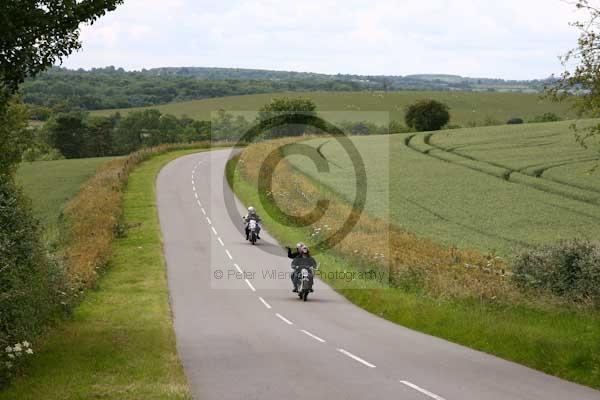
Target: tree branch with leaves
{"points": [[581, 77]]}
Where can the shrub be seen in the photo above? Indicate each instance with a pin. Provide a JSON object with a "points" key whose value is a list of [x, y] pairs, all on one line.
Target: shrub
{"points": [[427, 115], [569, 269], [547, 117], [41, 153], [362, 128], [397, 127], [30, 284], [490, 121], [515, 121]]}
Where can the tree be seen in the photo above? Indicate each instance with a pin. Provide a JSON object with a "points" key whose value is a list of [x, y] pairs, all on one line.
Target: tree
{"points": [[136, 129], [582, 71], [427, 115], [14, 135], [98, 137], [67, 133], [35, 34], [290, 108]]}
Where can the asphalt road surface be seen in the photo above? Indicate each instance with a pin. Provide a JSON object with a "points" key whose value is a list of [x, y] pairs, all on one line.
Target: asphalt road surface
{"points": [[242, 334]]}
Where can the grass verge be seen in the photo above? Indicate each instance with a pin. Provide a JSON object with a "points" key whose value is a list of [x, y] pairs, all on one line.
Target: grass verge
{"points": [[553, 338], [120, 343]]}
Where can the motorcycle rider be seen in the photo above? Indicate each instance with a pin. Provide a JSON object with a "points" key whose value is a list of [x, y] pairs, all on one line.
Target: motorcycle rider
{"points": [[302, 261], [252, 215]]}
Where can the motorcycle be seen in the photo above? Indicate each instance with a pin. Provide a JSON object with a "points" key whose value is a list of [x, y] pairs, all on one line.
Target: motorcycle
{"points": [[305, 282], [252, 231]]}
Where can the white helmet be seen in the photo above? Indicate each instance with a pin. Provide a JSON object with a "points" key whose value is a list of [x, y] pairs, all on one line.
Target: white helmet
{"points": [[251, 210], [299, 245]]}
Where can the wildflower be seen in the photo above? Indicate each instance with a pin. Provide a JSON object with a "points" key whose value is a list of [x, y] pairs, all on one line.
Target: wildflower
{"points": [[26, 343], [29, 351], [8, 349], [17, 347], [11, 356]]}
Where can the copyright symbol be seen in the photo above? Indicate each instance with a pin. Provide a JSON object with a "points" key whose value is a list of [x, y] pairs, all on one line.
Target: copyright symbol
{"points": [[218, 274]]}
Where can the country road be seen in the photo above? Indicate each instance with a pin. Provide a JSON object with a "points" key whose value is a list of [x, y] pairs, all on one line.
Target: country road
{"points": [[241, 335]]}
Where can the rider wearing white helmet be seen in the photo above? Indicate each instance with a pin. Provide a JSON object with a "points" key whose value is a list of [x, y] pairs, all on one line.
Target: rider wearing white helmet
{"points": [[252, 215], [295, 253]]}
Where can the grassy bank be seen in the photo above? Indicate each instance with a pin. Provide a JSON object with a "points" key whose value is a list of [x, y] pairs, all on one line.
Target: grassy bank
{"points": [[120, 342], [438, 297]]}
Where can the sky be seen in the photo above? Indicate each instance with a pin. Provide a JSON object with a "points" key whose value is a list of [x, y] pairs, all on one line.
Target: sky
{"points": [[509, 39]]}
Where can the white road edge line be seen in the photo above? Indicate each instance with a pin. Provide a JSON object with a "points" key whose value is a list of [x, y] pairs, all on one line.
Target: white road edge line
{"points": [[420, 389], [208, 220], [238, 268], [249, 284], [214, 230], [228, 254], [284, 319], [312, 336], [264, 301], [356, 358], [220, 241]]}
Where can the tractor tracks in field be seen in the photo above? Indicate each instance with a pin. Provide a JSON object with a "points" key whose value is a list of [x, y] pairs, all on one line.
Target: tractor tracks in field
{"points": [[522, 176]]}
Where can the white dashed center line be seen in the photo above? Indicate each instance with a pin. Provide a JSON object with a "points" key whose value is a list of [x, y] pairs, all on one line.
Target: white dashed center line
{"points": [[208, 220], [356, 358], [228, 254], [214, 230], [203, 210], [250, 285], [264, 302], [220, 241], [424, 391], [312, 336], [284, 319]]}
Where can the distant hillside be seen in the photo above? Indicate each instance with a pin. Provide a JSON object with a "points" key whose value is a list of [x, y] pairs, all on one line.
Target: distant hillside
{"points": [[110, 87]]}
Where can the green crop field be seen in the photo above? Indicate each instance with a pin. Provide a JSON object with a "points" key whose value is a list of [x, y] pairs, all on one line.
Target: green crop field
{"points": [[51, 184], [465, 107], [493, 189]]}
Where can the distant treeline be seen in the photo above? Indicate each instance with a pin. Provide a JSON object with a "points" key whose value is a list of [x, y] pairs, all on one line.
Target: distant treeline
{"points": [[78, 134], [60, 89]]}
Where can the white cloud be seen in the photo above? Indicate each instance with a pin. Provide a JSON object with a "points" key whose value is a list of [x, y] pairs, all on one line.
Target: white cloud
{"points": [[510, 39]]}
